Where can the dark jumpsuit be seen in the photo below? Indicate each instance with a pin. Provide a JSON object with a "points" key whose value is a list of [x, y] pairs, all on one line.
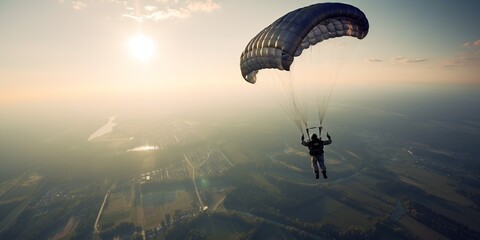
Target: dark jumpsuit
{"points": [[315, 147]]}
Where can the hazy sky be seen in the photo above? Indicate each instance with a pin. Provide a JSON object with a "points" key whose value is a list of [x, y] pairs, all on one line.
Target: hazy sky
{"points": [[59, 50]]}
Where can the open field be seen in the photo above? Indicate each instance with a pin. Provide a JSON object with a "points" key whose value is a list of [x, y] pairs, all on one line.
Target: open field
{"points": [[161, 207], [421, 231], [118, 209], [218, 229], [19, 194], [116, 217], [7, 186], [69, 228], [13, 214], [20, 186], [436, 184]]}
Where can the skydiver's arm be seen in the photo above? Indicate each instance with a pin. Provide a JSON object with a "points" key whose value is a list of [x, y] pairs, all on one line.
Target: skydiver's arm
{"points": [[329, 141], [303, 141]]}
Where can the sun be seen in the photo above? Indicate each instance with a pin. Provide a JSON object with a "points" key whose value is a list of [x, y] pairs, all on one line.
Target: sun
{"points": [[141, 47]]}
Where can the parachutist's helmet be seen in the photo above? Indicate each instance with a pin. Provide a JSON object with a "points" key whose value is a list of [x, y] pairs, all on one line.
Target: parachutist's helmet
{"points": [[314, 136]]}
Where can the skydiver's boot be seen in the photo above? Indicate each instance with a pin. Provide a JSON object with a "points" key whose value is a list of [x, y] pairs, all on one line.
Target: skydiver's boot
{"points": [[324, 174], [317, 176]]}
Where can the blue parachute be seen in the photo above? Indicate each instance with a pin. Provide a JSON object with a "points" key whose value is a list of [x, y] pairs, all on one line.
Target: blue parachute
{"points": [[278, 44]]}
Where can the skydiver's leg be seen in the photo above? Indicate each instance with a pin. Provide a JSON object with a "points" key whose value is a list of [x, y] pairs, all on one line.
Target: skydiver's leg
{"points": [[314, 165], [322, 165]]}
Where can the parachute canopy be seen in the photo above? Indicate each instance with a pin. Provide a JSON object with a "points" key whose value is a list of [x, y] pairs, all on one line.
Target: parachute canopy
{"points": [[286, 38]]}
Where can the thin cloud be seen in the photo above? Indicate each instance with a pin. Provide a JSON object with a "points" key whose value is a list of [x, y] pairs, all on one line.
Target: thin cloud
{"points": [[373, 60], [150, 8], [470, 44], [402, 59], [155, 10], [132, 17], [453, 62], [203, 6], [399, 58], [169, 13], [78, 5], [185, 10], [167, 1], [471, 57], [465, 59], [160, 15], [416, 60]]}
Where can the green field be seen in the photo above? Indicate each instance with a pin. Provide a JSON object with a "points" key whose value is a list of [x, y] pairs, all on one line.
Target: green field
{"points": [[161, 204], [118, 209], [17, 195]]}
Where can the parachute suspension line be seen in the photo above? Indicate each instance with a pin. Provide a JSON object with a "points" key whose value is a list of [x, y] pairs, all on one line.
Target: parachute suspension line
{"points": [[300, 81], [312, 76], [295, 103], [340, 50], [304, 78], [328, 64], [280, 86], [308, 86], [324, 65]]}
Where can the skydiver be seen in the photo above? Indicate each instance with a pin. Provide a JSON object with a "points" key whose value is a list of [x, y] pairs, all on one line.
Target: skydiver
{"points": [[315, 147]]}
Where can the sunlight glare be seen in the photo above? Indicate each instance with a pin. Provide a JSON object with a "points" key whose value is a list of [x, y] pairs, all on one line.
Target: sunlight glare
{"points": [[141, 47]]}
